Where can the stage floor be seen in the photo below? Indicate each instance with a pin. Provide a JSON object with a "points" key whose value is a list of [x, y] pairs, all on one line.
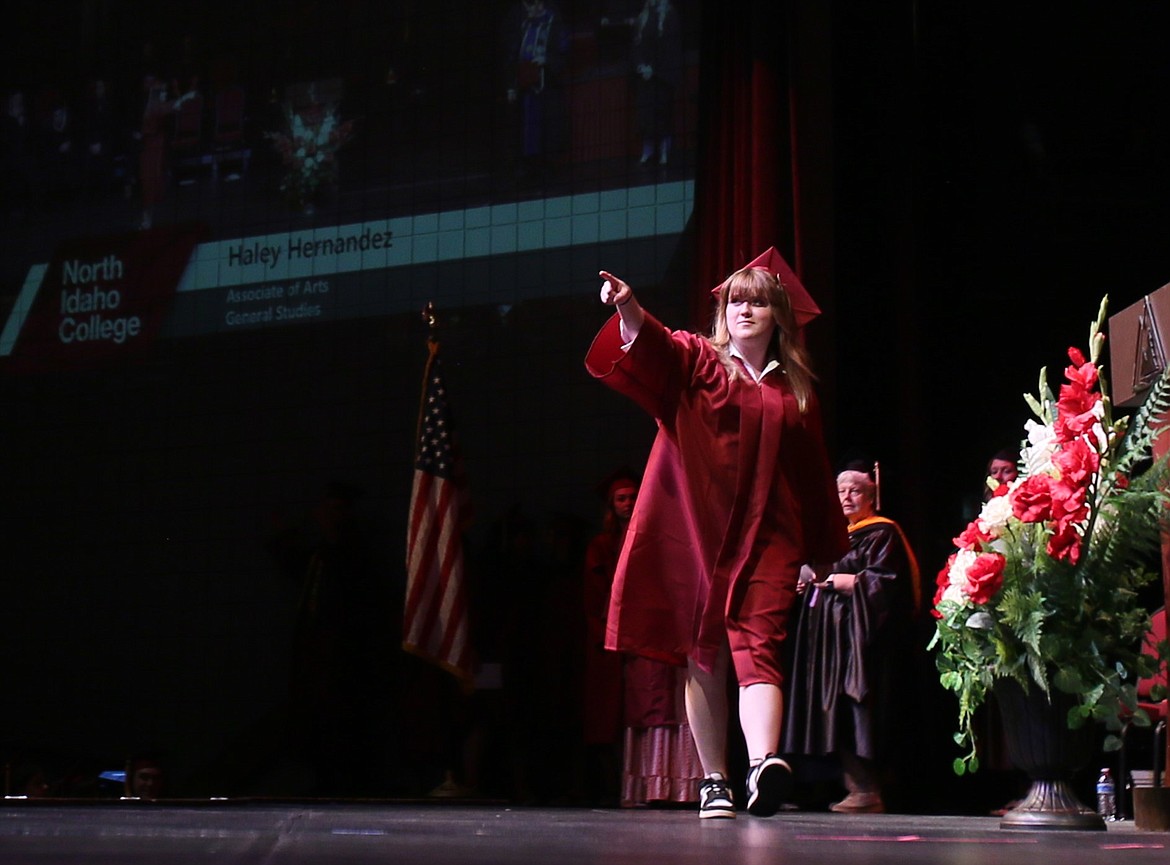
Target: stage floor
{"points": [[392, 833]]}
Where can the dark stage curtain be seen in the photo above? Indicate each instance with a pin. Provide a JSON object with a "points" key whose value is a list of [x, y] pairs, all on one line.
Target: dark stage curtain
{"points": [[764, 173], [746, 178]]}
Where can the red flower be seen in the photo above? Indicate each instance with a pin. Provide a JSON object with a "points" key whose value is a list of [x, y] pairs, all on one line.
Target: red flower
{"points": [[1078, 462], [1078, 399], [944, 576], [1075, 414], [985, 577], [972, 537], [1032, 500], [942, 581], [1068, 504], [1081, 373], [1065, 544]]}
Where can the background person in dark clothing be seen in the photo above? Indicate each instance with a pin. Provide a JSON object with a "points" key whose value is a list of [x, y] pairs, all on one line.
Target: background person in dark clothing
{"points": [[851, 652]]}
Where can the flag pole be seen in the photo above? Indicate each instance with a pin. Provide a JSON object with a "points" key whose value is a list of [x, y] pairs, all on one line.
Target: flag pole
{"points": [[432, 320]]}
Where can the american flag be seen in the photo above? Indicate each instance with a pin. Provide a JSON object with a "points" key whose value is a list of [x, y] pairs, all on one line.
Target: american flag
{"points": [[436, 625]]}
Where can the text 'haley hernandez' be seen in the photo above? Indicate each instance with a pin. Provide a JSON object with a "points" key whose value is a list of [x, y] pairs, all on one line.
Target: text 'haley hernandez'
{"points": [[305, 247]]}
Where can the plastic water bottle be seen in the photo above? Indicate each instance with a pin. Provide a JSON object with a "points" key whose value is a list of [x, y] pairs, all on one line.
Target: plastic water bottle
{"points": [[1106, 795]]}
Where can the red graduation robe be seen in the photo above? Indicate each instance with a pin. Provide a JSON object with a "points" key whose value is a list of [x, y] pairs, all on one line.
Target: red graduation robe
{"points": [[737, 485], [602, 715]]}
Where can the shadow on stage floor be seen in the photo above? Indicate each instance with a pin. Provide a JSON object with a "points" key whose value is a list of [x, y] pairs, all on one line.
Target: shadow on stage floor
{"points": [[229, 832]]}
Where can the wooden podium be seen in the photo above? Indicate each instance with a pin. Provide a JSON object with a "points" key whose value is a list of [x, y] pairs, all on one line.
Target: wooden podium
{"points": [[1138, 337]]}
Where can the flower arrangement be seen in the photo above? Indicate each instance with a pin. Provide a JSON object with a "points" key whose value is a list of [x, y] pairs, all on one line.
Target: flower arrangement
{"points": [[308, 148], [1043, 586]]}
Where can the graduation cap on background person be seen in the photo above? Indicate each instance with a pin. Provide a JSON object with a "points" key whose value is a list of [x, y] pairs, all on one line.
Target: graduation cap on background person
{"points": [[804, 308]]}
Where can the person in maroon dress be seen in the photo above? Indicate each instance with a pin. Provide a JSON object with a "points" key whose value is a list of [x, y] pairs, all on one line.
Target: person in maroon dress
{"points": [[634, 712], [602, 717], [660, 765], [737, 494]]}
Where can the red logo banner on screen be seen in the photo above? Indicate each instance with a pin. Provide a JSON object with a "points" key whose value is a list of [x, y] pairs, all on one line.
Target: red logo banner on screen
{"points": [[103, 299]]}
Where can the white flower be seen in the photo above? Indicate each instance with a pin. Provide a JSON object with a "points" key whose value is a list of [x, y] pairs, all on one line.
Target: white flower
{"points": [[995, 514], [1037, 454], [957, 575]]}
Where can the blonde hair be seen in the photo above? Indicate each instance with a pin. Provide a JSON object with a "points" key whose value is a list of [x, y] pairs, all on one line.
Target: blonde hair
{"points": [[755, 283]]}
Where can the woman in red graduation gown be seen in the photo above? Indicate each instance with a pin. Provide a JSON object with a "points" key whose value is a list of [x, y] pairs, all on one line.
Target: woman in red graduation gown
{"points": [[737, 494]]}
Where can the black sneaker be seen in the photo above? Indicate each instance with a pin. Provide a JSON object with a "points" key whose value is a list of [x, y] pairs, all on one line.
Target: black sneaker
{"points": [[768, 785], [715, 797]]}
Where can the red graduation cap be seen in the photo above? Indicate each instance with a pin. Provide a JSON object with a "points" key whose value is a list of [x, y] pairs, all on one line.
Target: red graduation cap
{"points": [[804, 308]]}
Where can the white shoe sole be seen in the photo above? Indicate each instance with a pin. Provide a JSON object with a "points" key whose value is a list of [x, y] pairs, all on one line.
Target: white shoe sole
{"points": [[722, 812]]}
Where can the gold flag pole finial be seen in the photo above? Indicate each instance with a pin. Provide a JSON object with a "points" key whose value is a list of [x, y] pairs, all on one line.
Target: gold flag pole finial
{"points": [[428, 315]]}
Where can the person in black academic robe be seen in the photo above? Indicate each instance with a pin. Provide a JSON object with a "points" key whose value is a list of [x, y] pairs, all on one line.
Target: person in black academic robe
{"points": [[851, 650]]}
